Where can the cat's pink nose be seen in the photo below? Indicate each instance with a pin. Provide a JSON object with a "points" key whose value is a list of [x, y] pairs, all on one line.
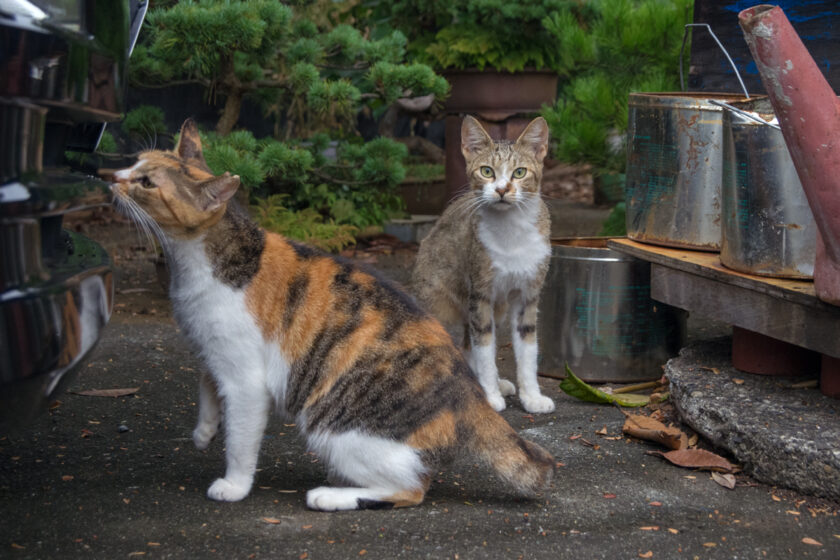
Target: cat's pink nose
{"points": [[503, 190]]}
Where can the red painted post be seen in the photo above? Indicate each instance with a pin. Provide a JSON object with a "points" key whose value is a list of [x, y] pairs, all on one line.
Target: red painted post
{"points": [[809, 115]]}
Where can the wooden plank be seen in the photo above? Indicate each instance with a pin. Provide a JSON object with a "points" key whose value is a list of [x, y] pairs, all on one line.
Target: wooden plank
{"points": [[782, 309], [708, 265], [805, 326]]}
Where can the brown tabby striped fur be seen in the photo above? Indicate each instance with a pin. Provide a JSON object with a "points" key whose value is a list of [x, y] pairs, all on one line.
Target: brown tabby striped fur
{"points": [[374, 383]]}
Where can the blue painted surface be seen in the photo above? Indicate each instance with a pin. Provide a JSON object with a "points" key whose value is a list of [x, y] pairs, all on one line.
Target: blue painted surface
{"points": [[792, 8], [822, 15]]}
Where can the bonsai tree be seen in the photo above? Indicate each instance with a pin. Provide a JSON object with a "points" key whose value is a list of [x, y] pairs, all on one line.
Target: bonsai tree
{"points": [[312, 79]]}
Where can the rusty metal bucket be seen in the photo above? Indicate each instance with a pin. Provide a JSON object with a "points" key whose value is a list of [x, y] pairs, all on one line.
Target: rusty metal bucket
{"points": [[674, 168], [766, 224]]}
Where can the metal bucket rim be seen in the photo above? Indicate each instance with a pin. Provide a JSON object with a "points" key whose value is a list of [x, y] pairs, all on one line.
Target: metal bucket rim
{"points": [[686, 100], [576, 248]]}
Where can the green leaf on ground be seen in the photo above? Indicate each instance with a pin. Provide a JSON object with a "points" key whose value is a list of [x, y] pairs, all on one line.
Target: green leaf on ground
{"points": [[577, 388]]}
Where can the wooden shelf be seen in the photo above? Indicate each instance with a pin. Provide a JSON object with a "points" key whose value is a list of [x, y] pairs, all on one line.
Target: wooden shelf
{"points": [[697, 282]]}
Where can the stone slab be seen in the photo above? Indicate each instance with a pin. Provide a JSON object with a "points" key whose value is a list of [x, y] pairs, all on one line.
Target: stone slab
{"points": [[780, 435]]}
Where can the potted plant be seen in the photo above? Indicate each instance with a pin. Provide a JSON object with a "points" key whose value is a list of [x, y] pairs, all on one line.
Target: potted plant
{"points": [[497, 56]]}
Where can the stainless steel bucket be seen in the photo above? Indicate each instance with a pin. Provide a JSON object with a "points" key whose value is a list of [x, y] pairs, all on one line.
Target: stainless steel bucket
{"points": [[596, 314], [767, 225], [674, 168]]}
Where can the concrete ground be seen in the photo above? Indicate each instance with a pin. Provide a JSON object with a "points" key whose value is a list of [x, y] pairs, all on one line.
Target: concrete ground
{"points": [[105, 477]]}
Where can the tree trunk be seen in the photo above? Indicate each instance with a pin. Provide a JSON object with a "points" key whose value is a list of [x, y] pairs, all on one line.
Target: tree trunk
{"points": [[230, 114]]}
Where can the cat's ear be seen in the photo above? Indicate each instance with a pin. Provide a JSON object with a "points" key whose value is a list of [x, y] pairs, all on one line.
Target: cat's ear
{"points": [[535, 138], [217, 191], [473, 137], [189, 142]]}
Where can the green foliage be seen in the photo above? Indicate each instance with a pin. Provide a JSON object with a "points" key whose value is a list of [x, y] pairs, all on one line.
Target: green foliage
{"points": [[196, 39], [575, 387], [503, 34], [305, 225], [145, 121], [394, 81], [356, 186], [607, 49], [313, 78], [616, 223]]}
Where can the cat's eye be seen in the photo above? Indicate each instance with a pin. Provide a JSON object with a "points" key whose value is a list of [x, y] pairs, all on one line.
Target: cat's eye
{"points": [[519, 172], [486, 172], [145, 182]]}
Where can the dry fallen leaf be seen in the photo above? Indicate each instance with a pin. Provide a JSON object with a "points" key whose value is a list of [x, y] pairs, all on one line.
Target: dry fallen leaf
{"points": [[648, 554], [792, 512], [644, 427], [67, 477], [710, 544], [108, 392], [649, 528], [672, 530], [696, 459], [609, 496], [655, 504], [737, 381], [272, 520], [809, 540], [775, 498], [602, 431], [725, 480]]}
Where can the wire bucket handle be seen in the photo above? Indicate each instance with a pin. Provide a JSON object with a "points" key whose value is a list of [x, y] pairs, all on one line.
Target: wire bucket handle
{"points": [[712, 33]]}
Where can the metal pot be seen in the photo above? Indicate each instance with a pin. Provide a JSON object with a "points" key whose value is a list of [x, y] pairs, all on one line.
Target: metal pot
{"points": [[674, 168], [767, 226], [596, 314]]}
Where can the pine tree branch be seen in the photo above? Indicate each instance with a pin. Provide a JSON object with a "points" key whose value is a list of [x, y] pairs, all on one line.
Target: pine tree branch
{"points": [[332, 179], [205, 83]]}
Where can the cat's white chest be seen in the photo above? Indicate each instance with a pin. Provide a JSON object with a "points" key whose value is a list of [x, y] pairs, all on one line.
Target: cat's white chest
{"points": [[514, 244], [211, 313]]}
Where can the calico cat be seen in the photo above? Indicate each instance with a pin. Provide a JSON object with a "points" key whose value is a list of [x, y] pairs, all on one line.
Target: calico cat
{"points": [[488, 252], [375, 385]]}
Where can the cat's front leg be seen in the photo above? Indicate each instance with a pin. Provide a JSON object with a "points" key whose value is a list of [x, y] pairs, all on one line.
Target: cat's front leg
{"points": [[209, 412], [524, 334], [483, 349], [246, 409]]}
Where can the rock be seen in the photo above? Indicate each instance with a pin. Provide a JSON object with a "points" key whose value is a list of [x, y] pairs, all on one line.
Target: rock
{"points": [[782, 436]]}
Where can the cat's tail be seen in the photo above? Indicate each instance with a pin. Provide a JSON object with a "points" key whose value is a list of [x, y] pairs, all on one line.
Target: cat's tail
{"points": [[523, 464]]}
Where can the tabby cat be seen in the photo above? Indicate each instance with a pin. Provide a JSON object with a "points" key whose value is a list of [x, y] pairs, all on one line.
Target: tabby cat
{"points": [[488, 253], [374, 384]]}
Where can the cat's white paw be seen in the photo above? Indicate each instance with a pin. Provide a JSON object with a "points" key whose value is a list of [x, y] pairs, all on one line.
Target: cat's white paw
{"points": [[536, 404], [225, 491], [497, 402], [203, 434], [506, 387], [325, 498]]}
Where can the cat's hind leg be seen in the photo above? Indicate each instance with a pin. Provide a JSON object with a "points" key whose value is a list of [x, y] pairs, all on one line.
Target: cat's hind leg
{"points": [[209, 412], [387, 473]]}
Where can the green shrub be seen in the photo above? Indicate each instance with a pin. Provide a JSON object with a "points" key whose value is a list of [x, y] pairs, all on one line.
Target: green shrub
{"points": [[305, 225], [609, 49]]}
